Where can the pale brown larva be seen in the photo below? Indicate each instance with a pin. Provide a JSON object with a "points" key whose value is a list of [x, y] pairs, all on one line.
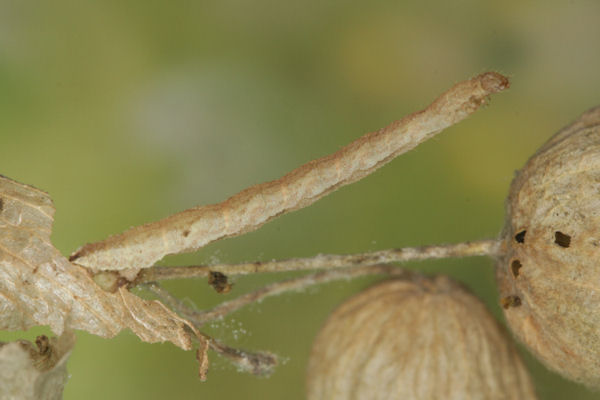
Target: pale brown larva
{"points": [[415, 339], [549, 270]]}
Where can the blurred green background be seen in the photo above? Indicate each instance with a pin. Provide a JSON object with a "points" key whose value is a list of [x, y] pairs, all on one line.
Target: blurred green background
{"points": [[128, 111]]}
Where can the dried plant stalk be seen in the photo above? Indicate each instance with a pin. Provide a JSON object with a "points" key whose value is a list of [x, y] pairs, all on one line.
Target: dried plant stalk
{"points": [[255, 362], [321, 261], [199, 318], [258, 363], [142, 246]]}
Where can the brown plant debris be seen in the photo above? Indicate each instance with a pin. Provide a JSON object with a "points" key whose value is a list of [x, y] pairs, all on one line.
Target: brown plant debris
{"points": [[39, 372], [219, 282], [189, 230]]}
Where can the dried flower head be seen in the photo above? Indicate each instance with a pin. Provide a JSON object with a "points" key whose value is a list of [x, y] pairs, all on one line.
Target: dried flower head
{"points": [[415, 339], [548, 272]]}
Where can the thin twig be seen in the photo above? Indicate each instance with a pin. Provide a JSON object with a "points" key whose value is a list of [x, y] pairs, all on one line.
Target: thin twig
{"points": [[257, 362], [324, 261], [171, 301], [199, 318], [142, 246]]}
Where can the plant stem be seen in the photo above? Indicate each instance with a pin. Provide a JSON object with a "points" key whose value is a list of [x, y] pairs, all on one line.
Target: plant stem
{"points": [[257, 363], [324, 261], [276, 288], [199, 318]]}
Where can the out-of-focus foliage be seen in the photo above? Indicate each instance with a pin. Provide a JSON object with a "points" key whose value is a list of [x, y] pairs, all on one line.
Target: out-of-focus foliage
{"points": [[127, 111]]}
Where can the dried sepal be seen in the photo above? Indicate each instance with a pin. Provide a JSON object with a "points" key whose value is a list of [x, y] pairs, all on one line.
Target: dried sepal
{"points": [[415, 339], [551, 248], [39, 286], [35, 372]]}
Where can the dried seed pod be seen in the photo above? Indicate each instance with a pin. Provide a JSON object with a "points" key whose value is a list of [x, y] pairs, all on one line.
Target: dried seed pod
{"points": [[551, 251], [415, 339]]}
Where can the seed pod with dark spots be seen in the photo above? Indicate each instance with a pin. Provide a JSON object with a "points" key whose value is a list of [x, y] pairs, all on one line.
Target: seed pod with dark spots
{"points": [[415, 339], [550, 257]]}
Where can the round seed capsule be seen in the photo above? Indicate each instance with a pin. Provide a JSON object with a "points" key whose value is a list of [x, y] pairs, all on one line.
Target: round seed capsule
{"points": [[549, 269], [415, 339]]}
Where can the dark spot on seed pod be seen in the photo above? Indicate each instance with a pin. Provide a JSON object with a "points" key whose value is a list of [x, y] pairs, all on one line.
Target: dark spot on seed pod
{"points": [[186, 233], [515, 266], [510, 301], [520, 237], [1, 205], [219, 282], [562, 239]]}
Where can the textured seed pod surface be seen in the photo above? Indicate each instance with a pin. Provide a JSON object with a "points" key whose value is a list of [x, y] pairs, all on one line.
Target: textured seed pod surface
{"points": [[549, 272], [418, 339]]}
